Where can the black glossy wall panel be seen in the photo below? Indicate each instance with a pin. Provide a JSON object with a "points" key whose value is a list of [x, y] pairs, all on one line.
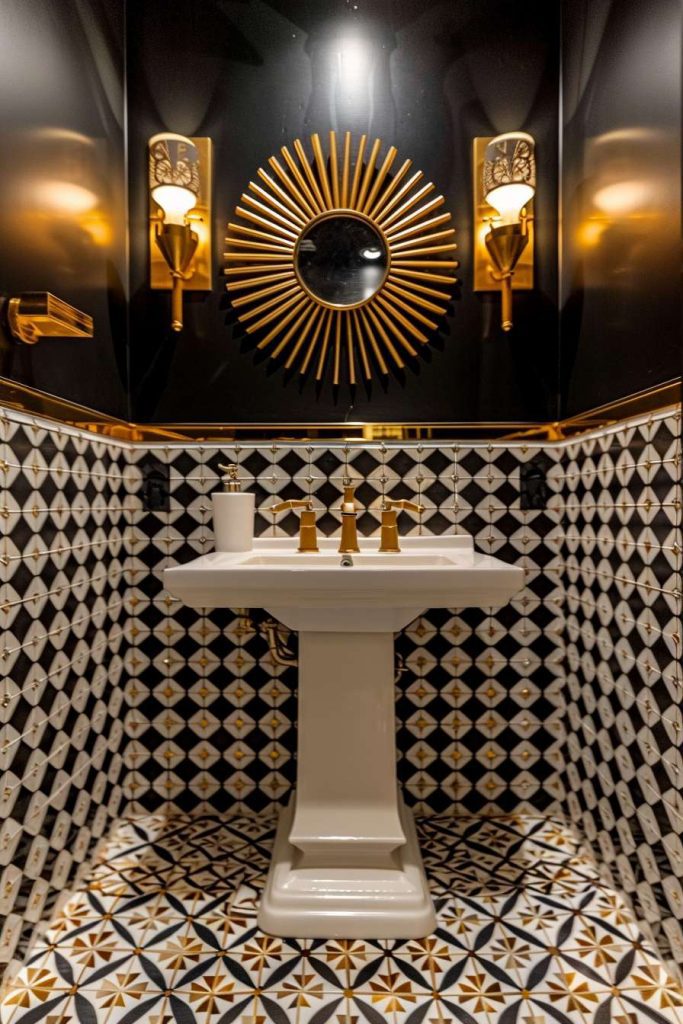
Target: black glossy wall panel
{"points": [[425, 75], [621, 170], [62, 188]]}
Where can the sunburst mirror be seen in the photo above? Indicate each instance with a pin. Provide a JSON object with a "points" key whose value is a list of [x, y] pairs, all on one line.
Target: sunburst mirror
{"points": [[337, 262]]}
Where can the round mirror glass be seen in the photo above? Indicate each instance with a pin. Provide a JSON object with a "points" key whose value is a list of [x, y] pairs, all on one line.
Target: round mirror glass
{"points": [[342, 260]]}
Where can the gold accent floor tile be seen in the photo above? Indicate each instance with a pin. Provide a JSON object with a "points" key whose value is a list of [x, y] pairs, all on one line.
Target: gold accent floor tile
{"points": [[525, 935]]}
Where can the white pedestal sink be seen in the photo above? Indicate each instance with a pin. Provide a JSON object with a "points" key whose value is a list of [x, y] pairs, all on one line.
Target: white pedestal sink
{"points": [[346, 863]]}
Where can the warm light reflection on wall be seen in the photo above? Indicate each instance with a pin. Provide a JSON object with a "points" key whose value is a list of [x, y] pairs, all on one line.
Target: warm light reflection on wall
{"points": [[589, 233], [627, 206], [63, 197], [56, 205], [623, 198]]}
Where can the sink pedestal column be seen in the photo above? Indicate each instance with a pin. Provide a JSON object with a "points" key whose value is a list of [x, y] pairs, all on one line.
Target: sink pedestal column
{"points": [[346, 863]]}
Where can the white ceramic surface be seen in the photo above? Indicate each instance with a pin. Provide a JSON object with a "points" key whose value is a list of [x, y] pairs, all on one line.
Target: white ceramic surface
{"points": [[379, 592], [233, 520], [346, 862]]}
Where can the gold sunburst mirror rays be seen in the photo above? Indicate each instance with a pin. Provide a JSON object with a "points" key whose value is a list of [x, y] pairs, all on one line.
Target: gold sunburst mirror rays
{"points": [[340, 261]]}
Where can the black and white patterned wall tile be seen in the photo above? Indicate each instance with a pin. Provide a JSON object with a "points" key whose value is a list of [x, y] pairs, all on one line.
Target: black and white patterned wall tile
{"points": [[621, 570], [62, 617], [212, 713]]}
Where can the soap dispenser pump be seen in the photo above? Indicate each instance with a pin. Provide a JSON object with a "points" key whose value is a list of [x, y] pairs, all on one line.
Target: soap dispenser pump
{"points": [[233, 513]]}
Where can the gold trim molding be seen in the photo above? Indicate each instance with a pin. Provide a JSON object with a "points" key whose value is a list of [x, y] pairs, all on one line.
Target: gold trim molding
{"points": [[38, 403]]}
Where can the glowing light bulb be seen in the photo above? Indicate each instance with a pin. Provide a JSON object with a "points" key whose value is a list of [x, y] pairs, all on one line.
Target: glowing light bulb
{"points": [[175, 201], [510, 200]]}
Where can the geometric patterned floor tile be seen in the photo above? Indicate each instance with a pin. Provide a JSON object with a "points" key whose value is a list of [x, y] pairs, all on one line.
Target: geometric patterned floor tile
{"points": [[164, 931]]}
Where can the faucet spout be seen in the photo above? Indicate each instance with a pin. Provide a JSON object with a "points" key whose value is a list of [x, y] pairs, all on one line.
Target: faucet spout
{"points": [[349, 532]]}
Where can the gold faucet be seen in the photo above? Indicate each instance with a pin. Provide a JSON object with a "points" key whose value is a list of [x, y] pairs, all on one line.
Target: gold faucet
{"points": [[308, 538], [349, 533], [389, 527]]}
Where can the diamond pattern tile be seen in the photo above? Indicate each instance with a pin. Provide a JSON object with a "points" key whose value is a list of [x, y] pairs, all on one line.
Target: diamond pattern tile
{"points": [[212, 711], [61, 695], [621, 575]]}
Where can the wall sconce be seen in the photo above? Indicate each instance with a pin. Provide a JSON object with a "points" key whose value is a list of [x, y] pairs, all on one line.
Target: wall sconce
{"points": [[504, 181], [180, 217]]}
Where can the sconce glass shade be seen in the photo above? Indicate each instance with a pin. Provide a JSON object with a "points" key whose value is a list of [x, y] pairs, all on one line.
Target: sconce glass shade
{"points": [[173, 175], [509, 178]]}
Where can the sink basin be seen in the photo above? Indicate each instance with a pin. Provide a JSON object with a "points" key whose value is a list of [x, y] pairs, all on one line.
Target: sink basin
{"points": [[365, 559], [346, 863], [380, 591]]}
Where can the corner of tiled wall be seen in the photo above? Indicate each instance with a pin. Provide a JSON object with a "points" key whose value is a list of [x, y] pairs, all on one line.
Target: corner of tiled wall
{"points": [[63, 620], [621, 573]]}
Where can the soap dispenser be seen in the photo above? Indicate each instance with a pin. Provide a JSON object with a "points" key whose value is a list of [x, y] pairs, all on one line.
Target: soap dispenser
{"points": [[233, 513]]}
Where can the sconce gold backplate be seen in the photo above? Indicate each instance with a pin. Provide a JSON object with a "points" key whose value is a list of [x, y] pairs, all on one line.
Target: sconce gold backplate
{"points": [[523, 277], [36, 315], [199, 218]]}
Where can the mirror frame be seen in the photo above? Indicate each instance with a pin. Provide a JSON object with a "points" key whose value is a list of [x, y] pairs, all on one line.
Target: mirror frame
{"points": [[295, 326]]}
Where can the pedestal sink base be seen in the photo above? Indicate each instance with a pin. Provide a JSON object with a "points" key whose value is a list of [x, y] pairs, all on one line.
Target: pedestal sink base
{"points": [[346, 903], [346, 862]]}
